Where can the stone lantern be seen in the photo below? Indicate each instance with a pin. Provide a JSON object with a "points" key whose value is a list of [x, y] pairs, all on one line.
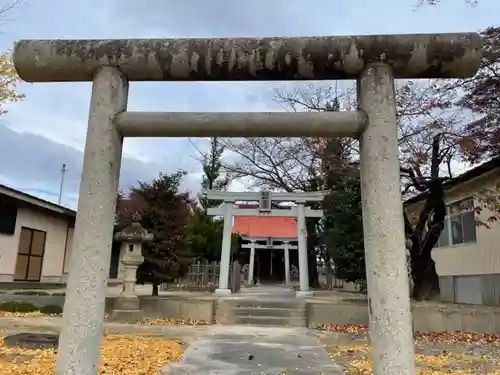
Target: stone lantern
{"points": [[127, 306]]}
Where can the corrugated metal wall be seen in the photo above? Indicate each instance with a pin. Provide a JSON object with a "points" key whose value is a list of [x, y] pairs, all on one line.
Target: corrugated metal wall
{"points": [[471, 289]]}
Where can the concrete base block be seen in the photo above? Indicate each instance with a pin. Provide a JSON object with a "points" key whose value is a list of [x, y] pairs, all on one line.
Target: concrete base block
{"points": [[51, 279], [6, 278], [127, 316], [127, 303], [304, 294], [222, 292]]}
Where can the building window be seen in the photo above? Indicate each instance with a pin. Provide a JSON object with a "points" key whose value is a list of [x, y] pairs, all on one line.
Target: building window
{"points": [[444, 238], [8, 217], [459, 224], [462, 222]]}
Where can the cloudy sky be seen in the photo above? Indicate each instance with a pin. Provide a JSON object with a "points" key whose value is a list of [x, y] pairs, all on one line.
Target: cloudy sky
{"points": [[48, 128]]}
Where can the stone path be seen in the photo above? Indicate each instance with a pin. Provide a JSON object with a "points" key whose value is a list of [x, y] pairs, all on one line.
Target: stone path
{"points": [[250, 350]]}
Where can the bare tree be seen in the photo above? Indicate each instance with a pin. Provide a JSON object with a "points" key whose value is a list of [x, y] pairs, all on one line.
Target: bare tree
{"points": [[430, 133], [436, 2], [434, 129], [483, 100]]}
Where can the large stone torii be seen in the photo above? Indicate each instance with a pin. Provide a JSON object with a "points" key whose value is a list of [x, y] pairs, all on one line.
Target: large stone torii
{"points": [[374, 61]]}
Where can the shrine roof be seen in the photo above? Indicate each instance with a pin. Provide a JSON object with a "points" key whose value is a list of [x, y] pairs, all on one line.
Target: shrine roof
{"points": [[262, 226]]}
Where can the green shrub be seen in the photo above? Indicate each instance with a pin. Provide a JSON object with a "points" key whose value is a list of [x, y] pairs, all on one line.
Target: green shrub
{"points": [[31, 293], [18, 307], [51, 310]]}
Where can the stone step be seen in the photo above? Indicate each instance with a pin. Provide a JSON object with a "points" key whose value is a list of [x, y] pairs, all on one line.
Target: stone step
{"points": [[268, 294], [262, 303], [266, 311], [267, 321]]}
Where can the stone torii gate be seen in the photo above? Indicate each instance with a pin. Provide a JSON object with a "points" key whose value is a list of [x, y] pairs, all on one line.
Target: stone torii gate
{"points": [[374, 61], [300, 211]]}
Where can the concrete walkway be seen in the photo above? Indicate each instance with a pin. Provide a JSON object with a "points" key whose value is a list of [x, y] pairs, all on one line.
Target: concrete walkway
{"points": [[217, 349], [250, 350]]}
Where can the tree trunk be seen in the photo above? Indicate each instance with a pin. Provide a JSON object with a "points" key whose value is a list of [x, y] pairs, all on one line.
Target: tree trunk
{"points": [[312, 259], [426, 282], [423, 268], [313, 269], [155, 290]]}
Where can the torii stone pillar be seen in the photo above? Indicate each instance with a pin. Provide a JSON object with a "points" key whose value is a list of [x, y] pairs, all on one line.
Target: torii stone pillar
{"points": [[127, 307], [83, 317], [374, 60], [303, 260], [383, 224], [223, 289], [251, 264], [287, 263]]}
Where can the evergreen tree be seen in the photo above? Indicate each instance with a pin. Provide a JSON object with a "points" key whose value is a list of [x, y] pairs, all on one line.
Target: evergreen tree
{"points": [[205, 232], [213, 179], [343, 231], [165, 213], [342, 226]]}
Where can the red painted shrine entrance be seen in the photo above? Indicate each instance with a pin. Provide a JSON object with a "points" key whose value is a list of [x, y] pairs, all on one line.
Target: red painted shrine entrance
{"points": [[271, 238]]}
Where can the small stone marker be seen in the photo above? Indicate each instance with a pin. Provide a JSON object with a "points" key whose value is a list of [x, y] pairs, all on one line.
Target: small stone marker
{"points": [[32, 341]]}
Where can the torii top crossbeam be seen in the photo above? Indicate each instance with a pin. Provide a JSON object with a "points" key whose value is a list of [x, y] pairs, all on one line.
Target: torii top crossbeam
{"points": [[253, 59], [228, 196]]}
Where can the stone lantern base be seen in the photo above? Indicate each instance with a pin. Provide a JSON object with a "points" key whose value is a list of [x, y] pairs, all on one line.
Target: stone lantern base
{"points": [[127, 310]]}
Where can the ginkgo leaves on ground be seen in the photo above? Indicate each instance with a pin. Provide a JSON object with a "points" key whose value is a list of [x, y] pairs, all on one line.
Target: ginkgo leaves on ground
{"points": [[355, 359], [120, 355], [437, 353]]}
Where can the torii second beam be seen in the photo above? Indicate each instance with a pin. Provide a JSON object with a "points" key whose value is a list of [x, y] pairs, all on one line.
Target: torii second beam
{"points": [[292, 212], [235, 124], [269, 247]]}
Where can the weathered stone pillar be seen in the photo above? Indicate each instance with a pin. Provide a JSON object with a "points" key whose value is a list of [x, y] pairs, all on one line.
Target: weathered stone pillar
{"points": [[83, 317], [287, 263], [251, 263], [388, 297], [303, 261], [127, 308], [223, 289]]}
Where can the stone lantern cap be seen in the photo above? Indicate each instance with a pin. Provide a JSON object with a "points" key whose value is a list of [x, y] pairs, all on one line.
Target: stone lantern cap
{"points": [[134, 232]]}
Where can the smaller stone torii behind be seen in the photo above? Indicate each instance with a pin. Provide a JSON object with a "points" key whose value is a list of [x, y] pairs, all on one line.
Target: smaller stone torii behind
{"points": [[265, 199], [374, 61]]}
